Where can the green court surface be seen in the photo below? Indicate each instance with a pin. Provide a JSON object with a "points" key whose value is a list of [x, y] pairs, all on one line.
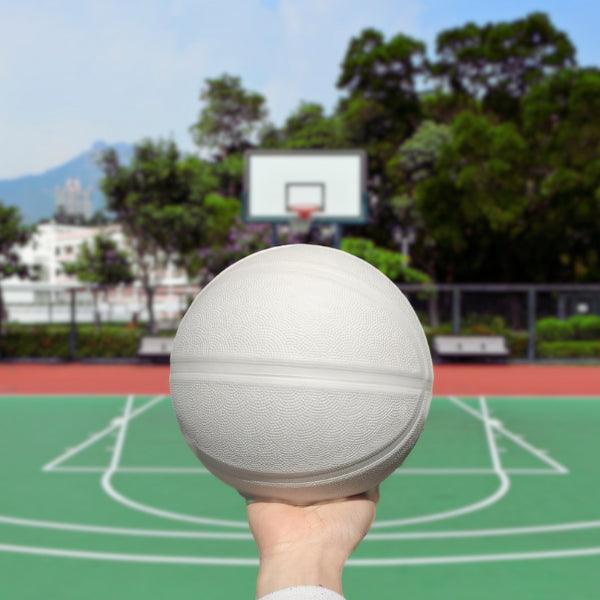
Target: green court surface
{"points": [[102, 499]]}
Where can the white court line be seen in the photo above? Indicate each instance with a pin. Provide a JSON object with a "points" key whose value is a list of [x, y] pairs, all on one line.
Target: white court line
{"points": [[401, 471], [122, 423], [107, 486], [493, 448], [386, 523], [406, 535], [70, 452], [253, 562], [541, 455], [498, 494]]}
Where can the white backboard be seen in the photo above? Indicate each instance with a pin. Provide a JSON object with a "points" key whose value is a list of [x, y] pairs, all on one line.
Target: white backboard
{"points": [[276, 181]]}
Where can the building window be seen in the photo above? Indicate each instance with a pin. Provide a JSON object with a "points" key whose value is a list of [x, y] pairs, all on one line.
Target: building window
{"points": [[57, 251]]}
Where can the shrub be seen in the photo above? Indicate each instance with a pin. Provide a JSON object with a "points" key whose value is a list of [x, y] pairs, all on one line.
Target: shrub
{"points": [[389, 262], [569, 349], [552, 329], [517, 342], [52, 341], [585, 327]]}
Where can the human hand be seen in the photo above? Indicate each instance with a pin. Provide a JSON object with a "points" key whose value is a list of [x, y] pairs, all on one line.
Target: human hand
{"points": [[308, 545]]}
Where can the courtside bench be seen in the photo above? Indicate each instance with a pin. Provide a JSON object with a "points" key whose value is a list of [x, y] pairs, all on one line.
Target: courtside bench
{"points": [[456, 347], [155, 348]]}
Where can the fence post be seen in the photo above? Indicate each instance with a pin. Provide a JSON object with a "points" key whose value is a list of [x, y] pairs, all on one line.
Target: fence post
{"points": [[531, 314], [73, 322], [337, 235], [456, 309], [561, 306]]}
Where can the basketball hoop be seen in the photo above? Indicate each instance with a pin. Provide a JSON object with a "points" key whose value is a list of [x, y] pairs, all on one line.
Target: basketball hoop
{"points": [[303, 216]]}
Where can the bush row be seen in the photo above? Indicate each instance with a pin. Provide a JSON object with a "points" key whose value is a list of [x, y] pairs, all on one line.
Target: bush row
{"points": [[569, 349], [119, 341], [577, 327], [52, 341]]}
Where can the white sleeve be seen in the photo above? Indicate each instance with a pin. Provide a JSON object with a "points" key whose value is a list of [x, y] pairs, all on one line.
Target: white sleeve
{"points": [[303, 593]]}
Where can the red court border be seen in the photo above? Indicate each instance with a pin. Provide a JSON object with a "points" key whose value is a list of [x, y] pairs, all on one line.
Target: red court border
{"points": [[76, 378]]}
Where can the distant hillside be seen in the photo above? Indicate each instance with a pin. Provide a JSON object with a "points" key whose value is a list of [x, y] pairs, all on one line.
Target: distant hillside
{"points": [[34, 194]]}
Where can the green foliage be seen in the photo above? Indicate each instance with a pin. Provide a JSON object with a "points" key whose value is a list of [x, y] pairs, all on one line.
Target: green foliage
{"points": [[474, 200], [13, 233], [569, 349], [417, 156], [564, 212], [307, 127], [551, 329], [390, 263], [382, 105], [498, 62], [231, 116], [52, 341], [102, 263], [585, 327], [576, 327], [157, 199]]}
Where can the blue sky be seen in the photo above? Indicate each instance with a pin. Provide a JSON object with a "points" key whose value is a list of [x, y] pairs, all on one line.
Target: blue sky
{"points": [[72, 72]]}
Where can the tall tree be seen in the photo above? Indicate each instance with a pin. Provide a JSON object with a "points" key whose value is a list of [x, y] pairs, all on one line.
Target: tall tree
{"points": [[12, 234], [307, 127], [414, 162], [498, 63], [230, 118], [564, 217], [164, 205], [102, 264], [473, 202], [381, 107]]}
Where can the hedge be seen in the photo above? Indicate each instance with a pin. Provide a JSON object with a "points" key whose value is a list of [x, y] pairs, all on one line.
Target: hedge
{"points": [[569, 349], [121, 341], [52, 341], [577, 327]]}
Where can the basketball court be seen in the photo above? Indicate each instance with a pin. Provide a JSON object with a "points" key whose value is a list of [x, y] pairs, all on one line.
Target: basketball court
{"points": [[102, 498]]}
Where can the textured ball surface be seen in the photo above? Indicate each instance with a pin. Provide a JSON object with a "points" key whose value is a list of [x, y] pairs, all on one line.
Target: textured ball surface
{"points": [[301, 373]]}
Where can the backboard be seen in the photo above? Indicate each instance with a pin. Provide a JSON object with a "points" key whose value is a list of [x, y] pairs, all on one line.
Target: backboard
{"points": [[279, 184]]}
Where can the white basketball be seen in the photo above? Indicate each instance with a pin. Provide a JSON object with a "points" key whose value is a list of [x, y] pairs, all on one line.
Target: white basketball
{"points": [[301, 373]]}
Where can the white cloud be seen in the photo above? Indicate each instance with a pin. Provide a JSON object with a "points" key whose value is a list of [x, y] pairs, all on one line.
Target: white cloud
{"points": [[73, 72]]}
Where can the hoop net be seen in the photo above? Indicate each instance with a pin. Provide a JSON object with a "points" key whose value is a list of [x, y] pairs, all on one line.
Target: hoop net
{"points": [[303, 214]]}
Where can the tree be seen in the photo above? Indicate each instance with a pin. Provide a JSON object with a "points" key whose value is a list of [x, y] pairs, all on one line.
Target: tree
{"points": [[307, 127], [498, 63], [154, 198], [165, 205], [12, 234], [103, 265], [230, 118], [564, 216], [381, 107], [414, 162], [380, 110], [474, 201]]}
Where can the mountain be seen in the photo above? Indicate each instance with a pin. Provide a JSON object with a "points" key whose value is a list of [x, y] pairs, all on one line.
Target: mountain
{"points": [[34, 194]]}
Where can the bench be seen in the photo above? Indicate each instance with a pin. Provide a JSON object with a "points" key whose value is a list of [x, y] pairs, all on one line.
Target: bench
{"points": [[155, 348], [470, 346]]}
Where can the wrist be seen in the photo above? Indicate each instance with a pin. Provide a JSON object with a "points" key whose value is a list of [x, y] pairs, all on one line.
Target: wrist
{"points": [[300, 567]]}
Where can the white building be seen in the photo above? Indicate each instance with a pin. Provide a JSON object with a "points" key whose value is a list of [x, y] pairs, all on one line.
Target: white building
{"points": [[47, 299]]}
